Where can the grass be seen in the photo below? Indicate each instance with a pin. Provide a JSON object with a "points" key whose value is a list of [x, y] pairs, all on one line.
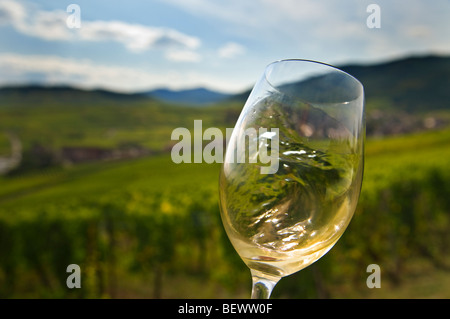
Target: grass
{"points": [[148, 124], [159, 172], [93, 180], [421, 282], [22, 196]]}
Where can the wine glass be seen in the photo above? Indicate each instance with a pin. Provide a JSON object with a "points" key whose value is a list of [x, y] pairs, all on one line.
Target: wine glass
{"points": [[293, 168]]}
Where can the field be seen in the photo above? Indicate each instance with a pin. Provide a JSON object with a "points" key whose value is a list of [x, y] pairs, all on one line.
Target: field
{"points": [[140, 226]]}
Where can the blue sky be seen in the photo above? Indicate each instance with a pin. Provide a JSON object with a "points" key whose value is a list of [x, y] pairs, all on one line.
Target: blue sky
{"points": [[138, 45]]}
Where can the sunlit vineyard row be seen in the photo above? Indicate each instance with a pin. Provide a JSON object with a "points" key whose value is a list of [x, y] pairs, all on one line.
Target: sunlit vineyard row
{"points": [[147, 220]]}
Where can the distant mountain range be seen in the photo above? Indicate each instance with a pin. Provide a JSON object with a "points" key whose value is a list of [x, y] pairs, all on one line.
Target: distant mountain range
{"points": [[190, 96], [62, 95], [70, 95], [415, 84]]}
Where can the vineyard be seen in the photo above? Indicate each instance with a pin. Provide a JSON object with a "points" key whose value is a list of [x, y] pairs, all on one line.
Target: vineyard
{"points": [[149, 228]]}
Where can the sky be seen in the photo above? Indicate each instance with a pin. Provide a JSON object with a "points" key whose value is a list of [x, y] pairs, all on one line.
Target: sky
{"points": [[140, 45]]}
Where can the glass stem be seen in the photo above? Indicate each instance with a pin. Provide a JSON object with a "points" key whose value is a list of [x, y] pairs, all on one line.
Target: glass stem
{"points": [[262, 284]]}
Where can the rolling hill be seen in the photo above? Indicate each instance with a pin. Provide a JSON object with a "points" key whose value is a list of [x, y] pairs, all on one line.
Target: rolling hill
{"points": [[197, 96], [402, 96], [40, 95], [414, 84], [143, 227]]}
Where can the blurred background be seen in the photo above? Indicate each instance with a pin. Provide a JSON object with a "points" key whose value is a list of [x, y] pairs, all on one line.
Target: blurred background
{"points": [[90, 92]]}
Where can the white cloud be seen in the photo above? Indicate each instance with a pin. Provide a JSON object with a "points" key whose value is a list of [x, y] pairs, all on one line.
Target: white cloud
{"points": [[258, 31], [329, 30], [255, 13], [136, 37], [55, 70], [47, 25], [418, 31], [52, 25], [231, 50], [11, 12], [183, 56]]}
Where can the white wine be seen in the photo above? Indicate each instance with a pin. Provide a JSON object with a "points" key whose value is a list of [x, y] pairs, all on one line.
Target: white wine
{"points": [[291, 248], [280, 223]]}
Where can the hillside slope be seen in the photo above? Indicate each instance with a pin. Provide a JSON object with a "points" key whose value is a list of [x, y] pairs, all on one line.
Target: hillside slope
{"points": [[415, 84]]}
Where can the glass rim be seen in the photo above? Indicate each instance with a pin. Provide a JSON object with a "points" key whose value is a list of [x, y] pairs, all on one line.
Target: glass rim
{"points": [[310, 62]]}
